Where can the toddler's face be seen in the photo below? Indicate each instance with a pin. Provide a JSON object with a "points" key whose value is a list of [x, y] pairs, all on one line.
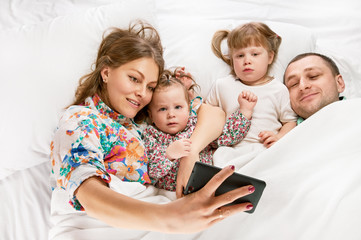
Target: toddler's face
{"points": [[169, 109], [251, 64]]}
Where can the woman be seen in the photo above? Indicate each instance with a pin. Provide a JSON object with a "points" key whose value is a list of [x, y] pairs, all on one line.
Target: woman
{"points": [[98, 139]]}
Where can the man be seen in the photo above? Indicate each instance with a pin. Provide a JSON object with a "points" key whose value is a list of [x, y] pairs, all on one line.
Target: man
{"points": [[313, 81]]}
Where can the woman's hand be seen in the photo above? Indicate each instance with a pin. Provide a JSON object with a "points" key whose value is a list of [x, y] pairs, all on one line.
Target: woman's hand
{"points": [[200, 210], [192, 213], [186, 165]]}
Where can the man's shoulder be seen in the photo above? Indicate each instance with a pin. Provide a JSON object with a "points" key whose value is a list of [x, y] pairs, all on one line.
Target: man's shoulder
{"points": [[300, 119]]}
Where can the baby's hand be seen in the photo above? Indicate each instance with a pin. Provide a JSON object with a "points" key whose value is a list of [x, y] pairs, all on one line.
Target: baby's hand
{"points": [[268, 138], [186, 79], [179, 148], [247, 101]]}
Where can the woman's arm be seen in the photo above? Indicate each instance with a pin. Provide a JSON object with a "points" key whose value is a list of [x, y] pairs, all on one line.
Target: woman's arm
{"points": [[209, 126], [192, 213]]}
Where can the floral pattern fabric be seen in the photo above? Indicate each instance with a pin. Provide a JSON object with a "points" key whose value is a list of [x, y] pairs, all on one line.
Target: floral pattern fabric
{"points": [[162, 171], [93, 140]]}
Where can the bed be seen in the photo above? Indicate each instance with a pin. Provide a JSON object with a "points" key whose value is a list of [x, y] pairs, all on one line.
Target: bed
{"points": [[313, 173]]}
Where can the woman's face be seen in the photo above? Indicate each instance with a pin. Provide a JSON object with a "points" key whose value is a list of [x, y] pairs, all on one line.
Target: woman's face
{"points": [[130, 87]]}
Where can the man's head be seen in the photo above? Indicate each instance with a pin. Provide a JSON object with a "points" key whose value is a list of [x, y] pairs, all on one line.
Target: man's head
{"points": [[313, 81]]}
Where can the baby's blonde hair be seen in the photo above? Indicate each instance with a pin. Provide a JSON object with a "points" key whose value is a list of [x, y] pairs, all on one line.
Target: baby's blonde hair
{"points": [[167, 79]]}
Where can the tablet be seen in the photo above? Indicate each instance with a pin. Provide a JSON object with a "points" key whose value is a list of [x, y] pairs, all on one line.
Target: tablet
{"points": [[203, 172]]}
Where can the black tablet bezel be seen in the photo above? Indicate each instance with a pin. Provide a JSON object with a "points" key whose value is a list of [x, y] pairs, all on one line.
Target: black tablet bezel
{"points": [[203, 172]]}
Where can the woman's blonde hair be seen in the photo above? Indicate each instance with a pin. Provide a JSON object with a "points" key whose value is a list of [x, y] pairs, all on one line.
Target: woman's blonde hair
{"points": [[119, 47], [253, 33]]}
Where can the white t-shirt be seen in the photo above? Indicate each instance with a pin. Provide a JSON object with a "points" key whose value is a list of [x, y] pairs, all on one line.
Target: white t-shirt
{"points": [[272, 109]]}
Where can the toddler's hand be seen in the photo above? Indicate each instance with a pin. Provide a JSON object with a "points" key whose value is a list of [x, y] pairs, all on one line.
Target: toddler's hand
{"points": [[247, 101], [179, 148], [268, 138]]}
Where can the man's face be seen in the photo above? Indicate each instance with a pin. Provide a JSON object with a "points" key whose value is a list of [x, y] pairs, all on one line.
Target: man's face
{"points": [[312, 85]]}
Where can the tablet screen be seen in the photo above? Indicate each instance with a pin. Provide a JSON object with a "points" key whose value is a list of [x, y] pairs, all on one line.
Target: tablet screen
{"points": [[202, 173]]}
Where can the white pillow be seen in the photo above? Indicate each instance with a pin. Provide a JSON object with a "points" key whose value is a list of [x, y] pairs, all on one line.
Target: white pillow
{"points": [[40, 68], [188, 43]]}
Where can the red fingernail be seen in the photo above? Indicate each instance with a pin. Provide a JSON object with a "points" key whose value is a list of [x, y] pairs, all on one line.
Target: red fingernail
{"points": [[249, 206], [232, 167], [251, 189]]}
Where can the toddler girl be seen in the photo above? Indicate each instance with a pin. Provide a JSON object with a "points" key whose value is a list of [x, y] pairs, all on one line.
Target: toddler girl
{"points": [[252, 49]]}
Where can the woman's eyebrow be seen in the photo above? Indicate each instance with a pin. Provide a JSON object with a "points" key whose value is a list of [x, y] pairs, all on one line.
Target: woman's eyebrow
{"points": [[139, 72]]}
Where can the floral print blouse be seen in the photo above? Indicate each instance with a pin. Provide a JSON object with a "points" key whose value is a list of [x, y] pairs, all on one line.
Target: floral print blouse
{"points": [[162, 171], [93, 140]]}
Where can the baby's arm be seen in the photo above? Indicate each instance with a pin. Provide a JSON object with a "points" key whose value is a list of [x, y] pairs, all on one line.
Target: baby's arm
{"points": [[247, 101], [238, 124], [179, 148], [158, 164], [268, 138], [234, 131]]}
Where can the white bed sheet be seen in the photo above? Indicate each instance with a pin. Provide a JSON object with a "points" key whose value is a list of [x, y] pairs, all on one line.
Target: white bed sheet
{"points": [[25, 198], [25, 204], [312, 191], [18, 13]]}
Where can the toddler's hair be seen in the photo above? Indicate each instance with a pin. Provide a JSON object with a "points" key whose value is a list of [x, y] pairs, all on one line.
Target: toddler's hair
{"points": [[249, 34]]}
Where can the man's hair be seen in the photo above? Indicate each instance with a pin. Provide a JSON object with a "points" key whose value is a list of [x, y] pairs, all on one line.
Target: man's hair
{"points": [[329, 62]]}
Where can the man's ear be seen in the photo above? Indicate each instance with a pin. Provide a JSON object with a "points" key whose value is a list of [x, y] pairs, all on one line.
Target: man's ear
{"points": [[340, 83]]}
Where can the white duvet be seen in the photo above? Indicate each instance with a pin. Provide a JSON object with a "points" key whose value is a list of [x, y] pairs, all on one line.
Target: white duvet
{"points": [[313, 191]]}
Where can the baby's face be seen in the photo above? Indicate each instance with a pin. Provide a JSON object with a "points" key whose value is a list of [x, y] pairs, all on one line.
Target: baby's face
{"points": [[169, 109]]}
